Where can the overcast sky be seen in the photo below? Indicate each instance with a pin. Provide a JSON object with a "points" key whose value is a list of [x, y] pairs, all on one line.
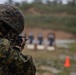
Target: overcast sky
{"points": [[2, 1]]}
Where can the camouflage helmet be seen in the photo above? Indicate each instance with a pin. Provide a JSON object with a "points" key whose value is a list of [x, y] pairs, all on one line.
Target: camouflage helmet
{"points": [[12, 16]]}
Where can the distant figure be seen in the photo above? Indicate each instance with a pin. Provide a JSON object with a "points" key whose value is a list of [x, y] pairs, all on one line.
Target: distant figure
{"points": [[30, 37], [51, 39], [40, 39]]}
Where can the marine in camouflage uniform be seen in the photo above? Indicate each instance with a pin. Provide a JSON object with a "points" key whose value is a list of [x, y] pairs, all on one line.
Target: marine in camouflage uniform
{"points": [[12, 61]]}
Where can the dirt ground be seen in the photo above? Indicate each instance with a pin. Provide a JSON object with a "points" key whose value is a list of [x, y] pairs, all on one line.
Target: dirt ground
{"points": [[47, 62], [59, 34]]}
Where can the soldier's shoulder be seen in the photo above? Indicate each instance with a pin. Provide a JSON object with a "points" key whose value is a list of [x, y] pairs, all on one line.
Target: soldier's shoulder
{"points": [[5, 42], [28, 58], [30, 65]]}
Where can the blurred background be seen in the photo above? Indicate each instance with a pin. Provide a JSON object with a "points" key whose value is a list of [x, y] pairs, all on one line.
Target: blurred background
{"points": [[50, 26]]}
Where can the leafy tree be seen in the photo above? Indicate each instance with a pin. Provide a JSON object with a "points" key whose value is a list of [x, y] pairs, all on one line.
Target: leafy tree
{"points": [[38, 1], [71, 2], [17, 4], [48, 2], [55, 2], [60, 1], [10, 1]]}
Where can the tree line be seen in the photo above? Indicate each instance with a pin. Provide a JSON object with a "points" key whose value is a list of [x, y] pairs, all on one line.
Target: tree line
{"points": [[48, 2]]}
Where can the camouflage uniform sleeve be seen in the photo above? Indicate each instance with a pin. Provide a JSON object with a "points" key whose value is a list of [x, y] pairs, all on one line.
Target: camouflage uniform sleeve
{"points": [[23, 65], [29, 66], [4, 47]]}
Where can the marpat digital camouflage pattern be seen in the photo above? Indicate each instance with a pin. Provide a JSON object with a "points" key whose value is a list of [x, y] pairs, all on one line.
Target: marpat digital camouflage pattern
{"points": [[12, 61], [12, 16]]}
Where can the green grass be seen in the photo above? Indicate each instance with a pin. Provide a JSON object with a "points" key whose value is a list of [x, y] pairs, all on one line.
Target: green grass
{"points": [[73, 48], [65, 23], [51, 59], [49, 8], [49, 17]]}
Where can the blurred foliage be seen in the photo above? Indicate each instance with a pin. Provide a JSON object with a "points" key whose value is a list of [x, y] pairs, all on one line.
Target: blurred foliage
{"points": [[58, 17], [73, 48]]}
